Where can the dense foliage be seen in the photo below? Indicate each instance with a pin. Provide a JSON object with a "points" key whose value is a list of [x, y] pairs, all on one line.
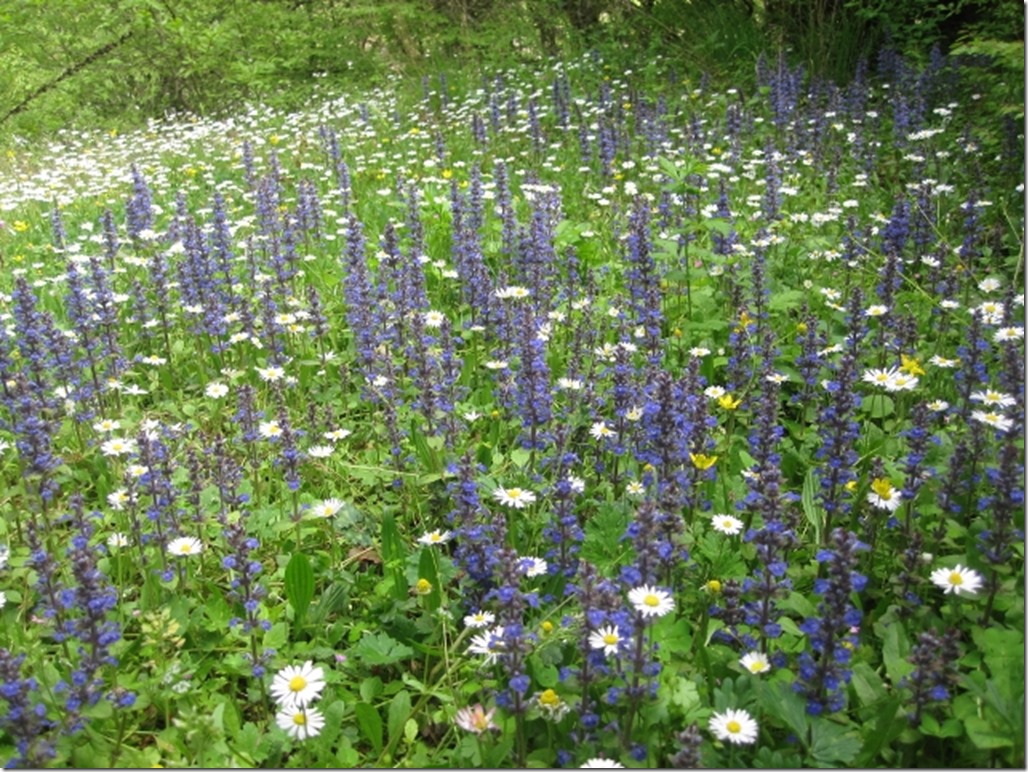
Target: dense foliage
{"points": [[571, 413], [77, 63]]}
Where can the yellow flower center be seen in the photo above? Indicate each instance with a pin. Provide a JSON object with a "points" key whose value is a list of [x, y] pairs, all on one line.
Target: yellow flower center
{"points": [[882, 487], [610, 639], [651, 600], [734, 727], [299, 719], [549, 698], [955, 578], [298, 684], [728, 402], [756, 666], [702, 461]]}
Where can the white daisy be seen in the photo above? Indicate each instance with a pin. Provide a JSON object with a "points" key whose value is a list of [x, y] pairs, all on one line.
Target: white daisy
{"points": [[479, 619], [531, 566], [995, 420], [300, 723], [516, 498], [727, 524], [435, 537], [216, 390], [755, 662], [116, 446], [994, 398], [270, 430], [651, 601], [327, 508], [297, 685], [320, 451], [489, 644], [271, 374], [599, 763], [185, 545], [434, 319], [117, 540], [1006, 334], [734, 726], [957, 580], [600, 430], [606, 638]]}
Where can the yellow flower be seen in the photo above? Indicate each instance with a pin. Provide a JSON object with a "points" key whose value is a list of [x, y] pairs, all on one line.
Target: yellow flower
{"points": [[20, 226], [702, 461], [447, 174], [911, 366], [547, 627], [882, 487], [714, 586], [744, 320], [728, 402], [851, 486], [423, 587]]}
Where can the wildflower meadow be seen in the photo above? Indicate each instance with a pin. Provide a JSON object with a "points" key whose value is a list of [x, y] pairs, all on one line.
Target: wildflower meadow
{"points": [[554, 415]]}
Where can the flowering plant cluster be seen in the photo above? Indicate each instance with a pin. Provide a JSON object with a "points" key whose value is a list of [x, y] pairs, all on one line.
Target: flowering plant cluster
{"points": [[578, 416]]}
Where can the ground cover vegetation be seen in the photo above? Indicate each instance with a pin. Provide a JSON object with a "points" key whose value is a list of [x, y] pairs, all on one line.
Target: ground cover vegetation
{"points": [[573, 413]]}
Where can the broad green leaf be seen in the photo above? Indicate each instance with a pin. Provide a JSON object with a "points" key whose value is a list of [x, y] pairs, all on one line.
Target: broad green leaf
{"points": [[370, 723], [399, 712], [815, 515], [299, 585], [986, 735], [393, 555], [427, 571], [778, 699], [832, 744]]}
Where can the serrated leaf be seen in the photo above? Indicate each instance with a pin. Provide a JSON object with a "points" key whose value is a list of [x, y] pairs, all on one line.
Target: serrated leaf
{"points": [[778, 699], [299, 585], [380, 649], [832, 744]]}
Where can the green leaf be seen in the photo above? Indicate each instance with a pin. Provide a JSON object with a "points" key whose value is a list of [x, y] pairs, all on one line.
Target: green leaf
{"points": [[815, 515], [778, 699], [276, 637], [427, 570], [380, 649], [986, 735], [833, 744], [868, 685], [370, 723], [895, 648], [393, 555], [888, 725], [878, 406], [399, 712], [299, 585]]}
